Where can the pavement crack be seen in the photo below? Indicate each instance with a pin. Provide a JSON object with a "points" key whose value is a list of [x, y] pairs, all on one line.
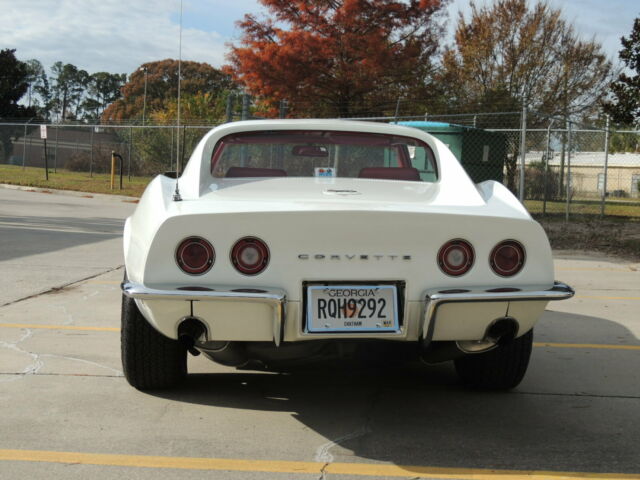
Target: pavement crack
{"points": [[323, 452], [36, 364], [81, 360], [323, 471], [62, 287], [38, 359]]}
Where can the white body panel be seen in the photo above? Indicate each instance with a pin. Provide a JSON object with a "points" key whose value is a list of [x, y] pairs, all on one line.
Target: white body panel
{"points": [[387, 231]]}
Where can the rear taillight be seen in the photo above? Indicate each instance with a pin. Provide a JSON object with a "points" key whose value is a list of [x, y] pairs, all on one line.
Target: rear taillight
{"points": [[195, 255], [456, 257], [250, 255], [507, 258]]}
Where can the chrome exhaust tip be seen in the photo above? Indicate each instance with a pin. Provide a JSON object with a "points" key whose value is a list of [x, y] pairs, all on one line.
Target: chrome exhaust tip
{"points": [[500, 331], [192, 331]]}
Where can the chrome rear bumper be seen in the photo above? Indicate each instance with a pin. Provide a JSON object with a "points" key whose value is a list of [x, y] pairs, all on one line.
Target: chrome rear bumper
{"points": [[436, 298], [274, 297]]}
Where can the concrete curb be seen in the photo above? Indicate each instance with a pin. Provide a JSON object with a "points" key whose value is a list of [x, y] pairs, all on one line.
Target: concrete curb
{"points": [[71, 193]]}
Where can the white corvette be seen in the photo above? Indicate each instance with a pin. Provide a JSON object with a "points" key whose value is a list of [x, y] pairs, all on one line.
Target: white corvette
{"points": [[290, 239]]}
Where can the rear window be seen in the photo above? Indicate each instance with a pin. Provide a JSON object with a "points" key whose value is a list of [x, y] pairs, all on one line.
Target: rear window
{"points": [[323, 154]]}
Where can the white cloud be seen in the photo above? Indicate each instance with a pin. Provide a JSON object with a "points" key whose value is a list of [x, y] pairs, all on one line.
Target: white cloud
{"points": [[119, 35], [104, 35]]}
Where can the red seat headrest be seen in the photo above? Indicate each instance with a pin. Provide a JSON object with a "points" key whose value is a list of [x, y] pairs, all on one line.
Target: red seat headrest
{"points": [[391, 173]]}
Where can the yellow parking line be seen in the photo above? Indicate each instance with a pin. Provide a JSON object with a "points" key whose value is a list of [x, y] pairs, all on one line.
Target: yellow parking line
{"points": [[312, 468], [586, 346], [58, 327], [603, 297]]}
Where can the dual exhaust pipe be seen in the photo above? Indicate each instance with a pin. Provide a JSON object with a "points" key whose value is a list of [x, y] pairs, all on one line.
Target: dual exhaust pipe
{"points": [[193, 334], [501, 331]]}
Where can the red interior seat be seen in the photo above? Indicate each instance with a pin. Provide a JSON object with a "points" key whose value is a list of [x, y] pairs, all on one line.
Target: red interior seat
{"points": [[391, 173], [235, 172]]}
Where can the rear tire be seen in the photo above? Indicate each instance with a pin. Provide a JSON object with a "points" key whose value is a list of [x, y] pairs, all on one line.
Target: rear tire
{"points": [[149, 359], [499, 369]]}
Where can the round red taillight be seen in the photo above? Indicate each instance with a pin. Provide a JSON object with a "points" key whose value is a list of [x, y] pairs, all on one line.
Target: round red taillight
{"points": [[250, 255], [507, 258], [456, 257], [195, 255]]}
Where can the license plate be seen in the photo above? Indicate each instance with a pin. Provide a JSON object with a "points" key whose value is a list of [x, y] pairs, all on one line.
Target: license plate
{"points": [[352, 308]]}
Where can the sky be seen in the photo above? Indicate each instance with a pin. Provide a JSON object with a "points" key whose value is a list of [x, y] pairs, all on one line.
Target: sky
{"points": [[117, 36]]}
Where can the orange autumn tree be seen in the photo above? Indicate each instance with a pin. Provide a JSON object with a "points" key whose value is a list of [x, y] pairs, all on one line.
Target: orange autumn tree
{"points": [[337, 57]]}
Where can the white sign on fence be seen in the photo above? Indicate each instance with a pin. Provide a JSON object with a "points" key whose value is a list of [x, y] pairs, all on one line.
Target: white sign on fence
{"points": [[43, 132]]}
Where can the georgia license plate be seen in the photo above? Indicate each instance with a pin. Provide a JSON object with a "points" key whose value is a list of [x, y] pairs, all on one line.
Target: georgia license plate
{"points": [[347, 308]]}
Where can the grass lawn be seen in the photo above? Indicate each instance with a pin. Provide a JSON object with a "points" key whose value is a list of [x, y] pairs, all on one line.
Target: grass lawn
{"points": [[619, 208], [99, 183], [67, 180]]}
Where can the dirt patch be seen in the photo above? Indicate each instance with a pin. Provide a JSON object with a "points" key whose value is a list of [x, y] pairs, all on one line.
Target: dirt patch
{"points": [[618, 236]]}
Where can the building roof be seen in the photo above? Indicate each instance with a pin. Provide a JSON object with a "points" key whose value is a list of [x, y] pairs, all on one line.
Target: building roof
{"points": [[589, 159]]}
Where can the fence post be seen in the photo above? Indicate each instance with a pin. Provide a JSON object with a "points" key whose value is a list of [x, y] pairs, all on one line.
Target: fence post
{"points": [[93, 129], [245, 106], [283, 108], [546, 169], [395, 120], [229, 111], [523, 145], [606, 165], [113, 169], [129, 159], [55, 153], [24, 144], [568, 179]]}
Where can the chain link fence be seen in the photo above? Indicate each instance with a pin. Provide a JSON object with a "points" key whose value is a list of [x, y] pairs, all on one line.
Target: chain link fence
{"points": [[146, 150], [567, 168]]}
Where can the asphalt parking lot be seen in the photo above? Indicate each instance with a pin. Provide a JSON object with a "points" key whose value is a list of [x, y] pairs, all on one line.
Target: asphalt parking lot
{"points": [[67, 412]]}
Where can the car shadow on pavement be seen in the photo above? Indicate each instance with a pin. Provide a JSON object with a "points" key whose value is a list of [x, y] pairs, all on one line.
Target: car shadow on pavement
{"points": [[420, 415]]}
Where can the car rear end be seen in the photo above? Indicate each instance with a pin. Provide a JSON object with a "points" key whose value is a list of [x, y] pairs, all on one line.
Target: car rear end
{"points": [[259, 260]]}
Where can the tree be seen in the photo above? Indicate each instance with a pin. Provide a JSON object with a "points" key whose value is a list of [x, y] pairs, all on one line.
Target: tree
{"points": [[13, 85], [625, 105], [35, 76], [68, 86], [103, 88], [337, 57], [162, 86], [152, 145], [508, 54]]}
